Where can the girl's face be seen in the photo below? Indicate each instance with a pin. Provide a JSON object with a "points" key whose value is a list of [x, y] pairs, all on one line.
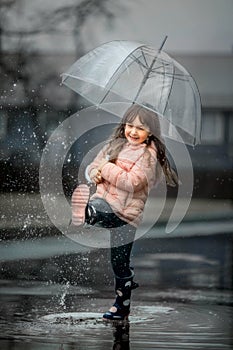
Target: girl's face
{"points": [[135, 132]]}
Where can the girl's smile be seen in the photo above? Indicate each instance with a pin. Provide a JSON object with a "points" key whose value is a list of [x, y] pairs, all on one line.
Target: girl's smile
{"points": [[135, 132]]}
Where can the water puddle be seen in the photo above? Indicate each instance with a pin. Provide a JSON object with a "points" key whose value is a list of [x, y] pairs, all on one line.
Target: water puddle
{"points": [[151, 325], [94, 320]]}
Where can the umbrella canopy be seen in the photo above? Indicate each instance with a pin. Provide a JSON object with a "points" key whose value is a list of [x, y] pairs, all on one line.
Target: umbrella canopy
{"points": [[131, 72]]}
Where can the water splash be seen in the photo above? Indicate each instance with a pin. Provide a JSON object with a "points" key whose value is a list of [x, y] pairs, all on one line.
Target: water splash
{"points": [[63, 296]]}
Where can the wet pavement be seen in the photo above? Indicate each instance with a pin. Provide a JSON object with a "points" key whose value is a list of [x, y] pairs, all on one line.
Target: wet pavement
{"points": [[184, 300], [46, 315], [53, 291]]}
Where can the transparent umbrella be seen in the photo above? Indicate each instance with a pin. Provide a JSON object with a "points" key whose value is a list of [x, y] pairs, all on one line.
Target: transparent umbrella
{"points": [[131, 72]]}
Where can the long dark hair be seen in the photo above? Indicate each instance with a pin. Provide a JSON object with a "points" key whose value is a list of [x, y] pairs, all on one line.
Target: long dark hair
{"points": [[151, 121]]}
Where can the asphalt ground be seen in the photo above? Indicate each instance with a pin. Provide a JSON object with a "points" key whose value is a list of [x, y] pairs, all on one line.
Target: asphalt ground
{"points": [[53, 291]]}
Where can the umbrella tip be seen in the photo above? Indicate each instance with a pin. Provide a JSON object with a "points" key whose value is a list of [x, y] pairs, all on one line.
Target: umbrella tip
{"points": [[162, 45]]}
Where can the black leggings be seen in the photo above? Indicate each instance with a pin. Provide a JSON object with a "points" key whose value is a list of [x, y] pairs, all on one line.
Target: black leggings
{"points": [[121, 235], [120, 254]]}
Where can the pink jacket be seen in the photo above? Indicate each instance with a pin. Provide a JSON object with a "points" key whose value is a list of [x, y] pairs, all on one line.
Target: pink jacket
{"points": [[127, 183]]}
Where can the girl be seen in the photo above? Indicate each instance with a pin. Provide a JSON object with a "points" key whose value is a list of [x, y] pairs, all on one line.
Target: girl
{"points": [[124, 172]]}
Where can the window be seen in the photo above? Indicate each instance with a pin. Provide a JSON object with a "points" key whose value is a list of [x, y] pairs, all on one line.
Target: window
{"points": [[212, 128], [230, 130], [230, 136], [3, 125]]}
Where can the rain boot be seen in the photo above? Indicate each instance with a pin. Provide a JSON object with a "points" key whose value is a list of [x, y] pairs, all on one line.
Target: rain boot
{"points": [[79, 202], [121, 307], [97, 211]]}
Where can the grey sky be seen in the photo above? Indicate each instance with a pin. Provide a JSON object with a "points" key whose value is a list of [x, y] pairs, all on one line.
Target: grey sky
{"points": [[192, 26]]}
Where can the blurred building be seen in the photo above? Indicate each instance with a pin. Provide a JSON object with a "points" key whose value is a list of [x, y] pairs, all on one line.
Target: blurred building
{"points": [[37, 44]]}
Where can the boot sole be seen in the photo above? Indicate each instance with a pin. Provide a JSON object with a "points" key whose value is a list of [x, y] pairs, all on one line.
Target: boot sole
{"points": [[117, 321], [79, 202], [125, 318]]}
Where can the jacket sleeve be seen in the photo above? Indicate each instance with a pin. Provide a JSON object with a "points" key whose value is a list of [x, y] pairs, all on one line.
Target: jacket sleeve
{"points": [[96, 162], [141, 174]]}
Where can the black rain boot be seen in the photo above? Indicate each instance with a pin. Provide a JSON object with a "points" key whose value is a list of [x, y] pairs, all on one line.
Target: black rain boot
{"points": [[121, 308], [97, 211]]}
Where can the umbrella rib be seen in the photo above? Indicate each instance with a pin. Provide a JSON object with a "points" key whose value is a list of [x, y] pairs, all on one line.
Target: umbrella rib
{"points": [[145, 65], [161, 92], [143, 54], [169, 92], [176, 76], [131, 54], [145, 78], [140, 63], [154, 70]]}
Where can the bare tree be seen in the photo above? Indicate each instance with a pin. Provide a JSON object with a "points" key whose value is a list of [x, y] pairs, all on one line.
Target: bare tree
{"points": [[25, 72], [52, 21], [77, 14]]}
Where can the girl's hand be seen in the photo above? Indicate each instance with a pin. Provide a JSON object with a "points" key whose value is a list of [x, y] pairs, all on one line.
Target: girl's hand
{"points": [[95, 176]]}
